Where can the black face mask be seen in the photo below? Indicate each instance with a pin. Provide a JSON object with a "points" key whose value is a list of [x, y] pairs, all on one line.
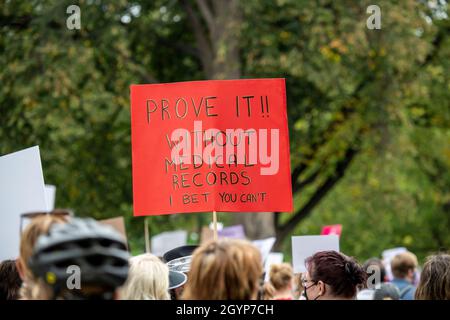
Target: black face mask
{"points": [[305, 294]]}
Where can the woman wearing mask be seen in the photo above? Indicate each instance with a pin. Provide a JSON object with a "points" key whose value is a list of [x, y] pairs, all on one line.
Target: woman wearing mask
{"points": [[332, 276]]}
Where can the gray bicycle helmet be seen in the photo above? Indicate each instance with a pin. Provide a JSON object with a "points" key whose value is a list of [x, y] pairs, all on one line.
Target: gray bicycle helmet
{"points": [[98, 250]]}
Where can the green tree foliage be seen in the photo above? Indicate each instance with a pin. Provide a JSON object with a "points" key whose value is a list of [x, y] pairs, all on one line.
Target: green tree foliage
{"points": [[368, 109]]}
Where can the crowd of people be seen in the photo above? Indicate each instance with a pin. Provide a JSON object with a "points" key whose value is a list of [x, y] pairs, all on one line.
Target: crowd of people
{"points": [[63, 257]]}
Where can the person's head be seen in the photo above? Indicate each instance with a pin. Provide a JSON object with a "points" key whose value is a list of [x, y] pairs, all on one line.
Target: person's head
{"points": [[374, 267], [386, 291], [332, 275], [148, 279], [10, 281], [404, 266], [81, 259], [227, 269], [434, 281], [38, 226], [281, 277]]}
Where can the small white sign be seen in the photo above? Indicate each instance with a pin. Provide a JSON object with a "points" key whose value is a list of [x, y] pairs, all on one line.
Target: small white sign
{"points": [[306, 246], [166, 241], [272, 258], [50, 192], [21, 190], [264, 246]]}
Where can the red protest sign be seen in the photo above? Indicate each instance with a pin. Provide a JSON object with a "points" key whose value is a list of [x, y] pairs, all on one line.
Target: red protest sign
{"points": [[218, 145]]}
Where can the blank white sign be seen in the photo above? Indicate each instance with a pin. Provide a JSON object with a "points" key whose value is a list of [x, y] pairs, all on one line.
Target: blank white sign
{"points": [[21, 190], [264, 246], [306, 246], [166, 241], [272, 258], [50, 192]]}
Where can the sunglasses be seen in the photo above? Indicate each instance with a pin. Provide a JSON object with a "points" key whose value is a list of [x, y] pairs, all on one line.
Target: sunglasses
{"points": [[26, 218]]}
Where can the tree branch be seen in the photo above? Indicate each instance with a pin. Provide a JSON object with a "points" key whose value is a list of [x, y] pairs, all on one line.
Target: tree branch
{"points": [[321, 192], [21, 22], [437, 43], [296, 173], [183, 47], [276, 220], [207, 14], [297, 186], [346, 113], [205, 50]]}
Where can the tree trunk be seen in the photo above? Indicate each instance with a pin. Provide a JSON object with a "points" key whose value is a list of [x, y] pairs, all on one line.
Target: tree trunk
{"points": [[227, 65], [258, 225], [217, 36]]}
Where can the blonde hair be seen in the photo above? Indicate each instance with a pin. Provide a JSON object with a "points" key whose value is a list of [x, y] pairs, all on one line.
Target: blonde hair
{"points": [[227, 269], [435, 279], [32, 288], [402, 263], [281, 275], [268, 291], [298, 286], [148, 279]]}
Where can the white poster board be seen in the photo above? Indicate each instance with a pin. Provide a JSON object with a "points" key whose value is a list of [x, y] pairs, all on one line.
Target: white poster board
{"points": [[166, 241], [50, 192], [272, 258], [306, 246], [21, 190], [264, 246]]}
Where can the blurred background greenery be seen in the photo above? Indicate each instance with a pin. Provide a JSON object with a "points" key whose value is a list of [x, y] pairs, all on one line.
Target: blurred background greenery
{"points": [[369, 110]]}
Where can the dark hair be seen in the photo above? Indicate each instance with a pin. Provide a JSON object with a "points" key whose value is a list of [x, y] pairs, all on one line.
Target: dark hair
{"points": [[377, 263], [343, 274], [10, 281]]}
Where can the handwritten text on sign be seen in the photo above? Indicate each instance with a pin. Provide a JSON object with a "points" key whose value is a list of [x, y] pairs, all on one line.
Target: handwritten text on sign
{"points": [[210, 145]]}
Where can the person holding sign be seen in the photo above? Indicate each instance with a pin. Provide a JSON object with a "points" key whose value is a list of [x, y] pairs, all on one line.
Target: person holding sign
{"points": [[332, 276]]}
